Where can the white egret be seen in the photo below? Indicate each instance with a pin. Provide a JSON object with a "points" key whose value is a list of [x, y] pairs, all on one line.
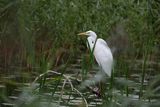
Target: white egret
{"points": [[101, 51]]}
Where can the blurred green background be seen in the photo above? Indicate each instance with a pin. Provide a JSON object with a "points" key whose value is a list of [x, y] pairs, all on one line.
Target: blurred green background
{"points": [[36, 35], [31, 30]]}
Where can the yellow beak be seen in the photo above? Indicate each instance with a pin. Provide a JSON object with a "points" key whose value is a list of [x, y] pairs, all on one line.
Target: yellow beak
{"points": [[83, 33]]}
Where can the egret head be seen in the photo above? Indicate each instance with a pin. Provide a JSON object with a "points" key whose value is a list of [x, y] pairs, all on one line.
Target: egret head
{"points": [[89, 34]]}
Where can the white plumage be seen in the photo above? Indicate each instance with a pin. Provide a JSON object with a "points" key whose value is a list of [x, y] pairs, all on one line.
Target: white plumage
{"points": [[102, 52]]}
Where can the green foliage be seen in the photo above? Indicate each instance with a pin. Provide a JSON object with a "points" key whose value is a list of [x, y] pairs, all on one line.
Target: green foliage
{"points": [[32, 32], [39, 22]]}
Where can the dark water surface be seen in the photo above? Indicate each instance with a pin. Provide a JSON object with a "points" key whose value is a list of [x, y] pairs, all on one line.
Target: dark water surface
{"points": [[16, 88]]}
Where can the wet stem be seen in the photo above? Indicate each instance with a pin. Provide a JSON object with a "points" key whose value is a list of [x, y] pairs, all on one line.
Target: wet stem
{"points": [[42, 83], [61, 76], [111, 84], [147, 47], [126, 74], [143, 73]]}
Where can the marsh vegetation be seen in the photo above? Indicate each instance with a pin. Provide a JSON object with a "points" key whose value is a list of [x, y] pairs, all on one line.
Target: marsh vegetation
{"points": [[42, 60]]}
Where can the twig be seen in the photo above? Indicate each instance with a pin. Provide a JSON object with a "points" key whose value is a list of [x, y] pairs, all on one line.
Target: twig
{"points": [[49, 71], [41, 75], [62, 89], [81, 96], [68, 78]]}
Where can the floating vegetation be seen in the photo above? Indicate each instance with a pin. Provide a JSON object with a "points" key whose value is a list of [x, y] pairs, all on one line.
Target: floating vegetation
{"points": [[44, 63]]}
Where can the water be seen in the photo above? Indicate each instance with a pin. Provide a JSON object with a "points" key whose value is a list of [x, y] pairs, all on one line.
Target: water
{"points": [[16, 92]]}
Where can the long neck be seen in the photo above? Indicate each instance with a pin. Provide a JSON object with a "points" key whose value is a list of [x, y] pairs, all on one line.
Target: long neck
{"points": [[91, 42]]}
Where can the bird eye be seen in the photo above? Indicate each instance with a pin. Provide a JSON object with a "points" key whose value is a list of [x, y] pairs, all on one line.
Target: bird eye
{"points": [[92, 42]]}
